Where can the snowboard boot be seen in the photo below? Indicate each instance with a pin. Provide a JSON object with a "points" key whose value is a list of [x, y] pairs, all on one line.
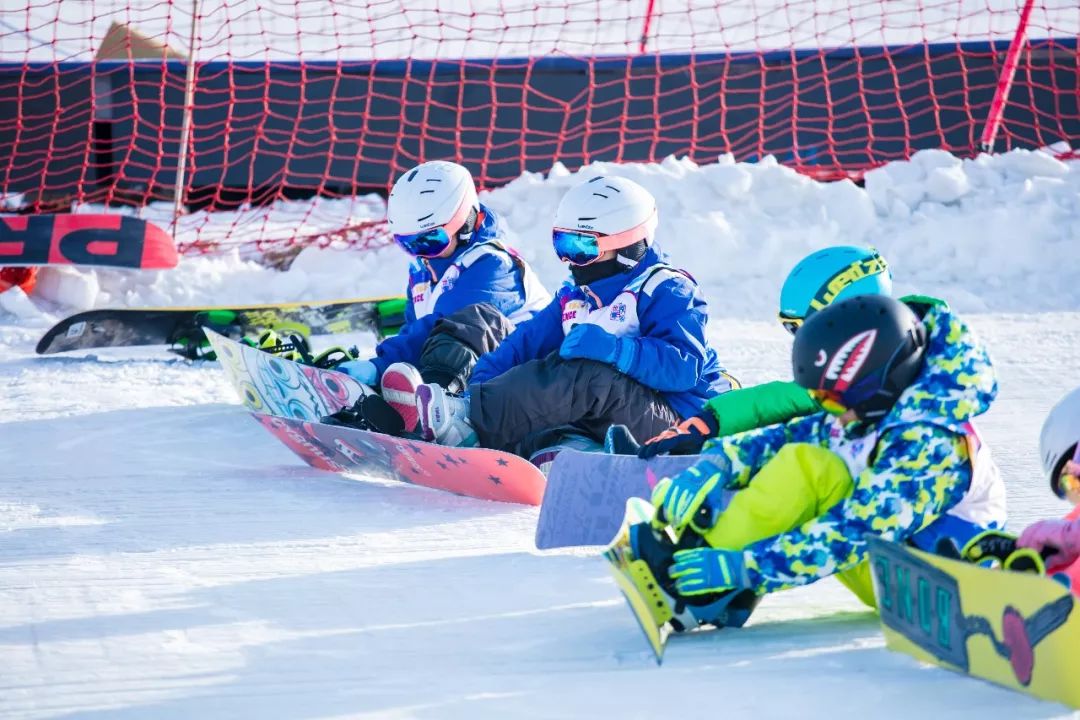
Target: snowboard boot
{"points": [[545, 446], [399, 384], [731, 608], [369, 412], [444, 418], [619, 441]]}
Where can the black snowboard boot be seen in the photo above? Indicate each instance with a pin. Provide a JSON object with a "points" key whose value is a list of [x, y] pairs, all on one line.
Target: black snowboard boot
{"points": [[731, 608], [370, 412]]}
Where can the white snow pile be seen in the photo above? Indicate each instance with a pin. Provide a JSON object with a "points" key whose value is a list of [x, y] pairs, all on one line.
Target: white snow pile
{"points": [[995, 233], [998, 232]]}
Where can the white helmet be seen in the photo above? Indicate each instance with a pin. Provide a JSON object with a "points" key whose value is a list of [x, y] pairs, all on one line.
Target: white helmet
{"points": [[436, 194], [1060, 432], [618, 210]]}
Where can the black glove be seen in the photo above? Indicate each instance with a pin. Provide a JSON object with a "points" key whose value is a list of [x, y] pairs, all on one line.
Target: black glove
{"points": [[686, 438]]}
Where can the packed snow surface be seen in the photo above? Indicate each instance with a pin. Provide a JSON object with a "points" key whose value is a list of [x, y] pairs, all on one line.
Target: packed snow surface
{"points": [[162, 556]]}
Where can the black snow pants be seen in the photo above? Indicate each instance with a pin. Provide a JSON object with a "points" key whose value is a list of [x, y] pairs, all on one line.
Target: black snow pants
{"points": [[457, 341], [552, 392]]}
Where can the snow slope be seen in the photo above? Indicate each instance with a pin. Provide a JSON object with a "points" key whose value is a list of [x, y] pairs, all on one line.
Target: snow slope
{"points": [[162, 556]]}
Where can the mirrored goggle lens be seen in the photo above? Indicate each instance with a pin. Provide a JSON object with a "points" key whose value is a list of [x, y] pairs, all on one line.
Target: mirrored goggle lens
{"points": [[791, 324], [831, 402], [428, 243], [1069, 483], [576, 247]]}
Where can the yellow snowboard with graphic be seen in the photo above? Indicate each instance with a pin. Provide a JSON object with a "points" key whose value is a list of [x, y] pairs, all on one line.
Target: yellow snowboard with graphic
{"points": [[636, 581], [1014, 629]]}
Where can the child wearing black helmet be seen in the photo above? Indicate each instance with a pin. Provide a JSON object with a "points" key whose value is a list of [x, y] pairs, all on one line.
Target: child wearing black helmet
{"points": [[893, 454]]}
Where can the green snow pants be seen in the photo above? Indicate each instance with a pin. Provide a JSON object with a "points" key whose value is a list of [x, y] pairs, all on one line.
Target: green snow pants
{"points": [[800, 483]]}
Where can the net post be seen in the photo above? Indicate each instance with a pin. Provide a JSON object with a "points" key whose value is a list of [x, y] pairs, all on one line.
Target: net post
{"points": [[645, 26], [185, 123], [1005, 80]]}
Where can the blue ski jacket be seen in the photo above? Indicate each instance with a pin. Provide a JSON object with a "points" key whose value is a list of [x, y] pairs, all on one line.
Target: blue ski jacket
{"points": [[481, 271], [658, 308]]}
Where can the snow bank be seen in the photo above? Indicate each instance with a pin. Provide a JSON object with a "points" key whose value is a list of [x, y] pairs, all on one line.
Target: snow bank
{"points": [[991, 233], [995, 233]]}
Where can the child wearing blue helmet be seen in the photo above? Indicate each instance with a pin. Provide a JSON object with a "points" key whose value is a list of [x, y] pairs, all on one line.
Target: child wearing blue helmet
{"points": [[821, 278]]}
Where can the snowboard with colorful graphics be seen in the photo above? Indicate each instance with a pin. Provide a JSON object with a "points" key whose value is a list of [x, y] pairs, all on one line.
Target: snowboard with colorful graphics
{"points": [[182, 327], [288, 399], [587, 492], [1019, 630], [112, 241]]}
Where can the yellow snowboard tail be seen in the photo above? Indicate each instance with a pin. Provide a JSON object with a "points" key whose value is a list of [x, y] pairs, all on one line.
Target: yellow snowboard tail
{"points": [[1015, 629]]}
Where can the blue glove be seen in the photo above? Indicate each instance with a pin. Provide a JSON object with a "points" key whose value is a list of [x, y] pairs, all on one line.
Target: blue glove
{"points": [[362, 370], [592, 342], [679, 499], [705, 570]]}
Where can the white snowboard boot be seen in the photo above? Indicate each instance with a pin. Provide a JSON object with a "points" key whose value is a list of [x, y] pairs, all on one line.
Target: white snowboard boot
{"points": [[399, 384], [444, 418]]}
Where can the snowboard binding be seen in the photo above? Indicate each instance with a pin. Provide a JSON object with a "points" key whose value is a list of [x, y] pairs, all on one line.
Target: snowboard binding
{"points": [[723, 609], [1000, 548], [639, 558], [369, 412], [297, 349]]}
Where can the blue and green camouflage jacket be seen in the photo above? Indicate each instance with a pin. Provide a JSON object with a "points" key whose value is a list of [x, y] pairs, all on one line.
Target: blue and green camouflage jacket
{"points": [[921, 464]]}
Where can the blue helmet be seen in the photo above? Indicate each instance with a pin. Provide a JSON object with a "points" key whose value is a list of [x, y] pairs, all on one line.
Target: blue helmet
{"points": [[825, 276]]}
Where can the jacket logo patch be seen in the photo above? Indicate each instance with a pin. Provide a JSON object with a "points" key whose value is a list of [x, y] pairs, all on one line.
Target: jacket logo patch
{"points": [[618, 312], [849, 359], [419, 292]]}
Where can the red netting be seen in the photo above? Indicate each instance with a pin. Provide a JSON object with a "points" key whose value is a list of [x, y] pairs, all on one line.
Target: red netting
{"points": [[300, 107]]}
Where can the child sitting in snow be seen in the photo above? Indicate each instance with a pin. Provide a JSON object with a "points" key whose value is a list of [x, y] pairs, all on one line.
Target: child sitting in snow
{"points": [[892, 453], [624, 342], [466, 290], [1059, 540]]}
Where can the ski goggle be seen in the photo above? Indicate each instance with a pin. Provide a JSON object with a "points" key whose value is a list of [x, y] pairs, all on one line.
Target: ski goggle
{"points": [[830, 401], [433, 242], [582, 247], [791, 323], [1068, 482]]}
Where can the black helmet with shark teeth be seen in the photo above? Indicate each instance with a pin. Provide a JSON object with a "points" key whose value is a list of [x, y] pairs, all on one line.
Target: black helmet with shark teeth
{"points": [[861, 353]]}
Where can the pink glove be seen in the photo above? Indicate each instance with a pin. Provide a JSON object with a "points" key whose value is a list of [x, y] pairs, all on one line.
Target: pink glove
{"points": [[1063, 535]]}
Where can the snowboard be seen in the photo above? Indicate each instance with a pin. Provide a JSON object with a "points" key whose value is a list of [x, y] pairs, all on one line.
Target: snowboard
{"points": [[1018, 630], [288, 399], [471, 472], [587, 492], [182, 327], [112, 241], [636, 582]]}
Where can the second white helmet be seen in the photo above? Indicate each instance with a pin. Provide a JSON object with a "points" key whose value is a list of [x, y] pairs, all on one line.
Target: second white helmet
{"points": [[617, 211]]}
